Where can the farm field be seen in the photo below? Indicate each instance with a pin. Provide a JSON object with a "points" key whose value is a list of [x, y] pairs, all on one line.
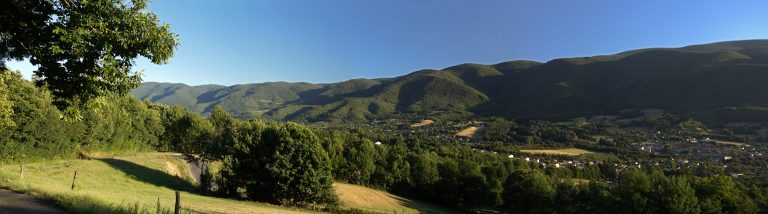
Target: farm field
{"points": [[471, 132], [568, 152], [729, 143], [422, 123]]}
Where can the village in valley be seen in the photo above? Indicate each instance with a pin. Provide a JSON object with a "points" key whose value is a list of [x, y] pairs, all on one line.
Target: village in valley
{"points": [[609, 143]]}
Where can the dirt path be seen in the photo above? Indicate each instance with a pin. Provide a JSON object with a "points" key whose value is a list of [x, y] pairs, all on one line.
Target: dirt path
{"points": [[11, 202], [195, 169]]}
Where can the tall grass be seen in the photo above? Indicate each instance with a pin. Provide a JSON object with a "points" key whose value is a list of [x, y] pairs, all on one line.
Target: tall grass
{"points": [[86, 204]]}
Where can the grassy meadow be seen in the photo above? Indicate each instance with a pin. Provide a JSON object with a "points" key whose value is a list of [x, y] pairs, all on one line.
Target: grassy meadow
{"points": [[147, 183], [132, 184], [375, 201]]}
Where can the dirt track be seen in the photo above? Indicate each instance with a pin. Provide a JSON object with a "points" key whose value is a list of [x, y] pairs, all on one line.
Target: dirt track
{"points": [[11, 202], [195, 169]]}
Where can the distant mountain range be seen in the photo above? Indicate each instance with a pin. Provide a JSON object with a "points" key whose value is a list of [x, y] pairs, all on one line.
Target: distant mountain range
{"points": [[727, 80]]}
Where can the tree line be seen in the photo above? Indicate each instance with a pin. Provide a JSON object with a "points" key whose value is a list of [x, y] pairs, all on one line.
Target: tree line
{"points": [[457, 175]]}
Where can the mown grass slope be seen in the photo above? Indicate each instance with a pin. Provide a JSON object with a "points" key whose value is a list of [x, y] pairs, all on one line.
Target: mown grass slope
{"points": [[136, 184], [123, 184], [371, 200]]}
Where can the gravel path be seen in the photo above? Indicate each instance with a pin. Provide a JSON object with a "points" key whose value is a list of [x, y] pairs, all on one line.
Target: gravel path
{"points": [[11, 202]]}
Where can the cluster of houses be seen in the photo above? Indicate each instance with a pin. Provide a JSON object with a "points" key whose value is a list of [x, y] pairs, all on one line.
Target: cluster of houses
{"points": [[694, 152], [545, 163], [697, 149], [665, 153]]}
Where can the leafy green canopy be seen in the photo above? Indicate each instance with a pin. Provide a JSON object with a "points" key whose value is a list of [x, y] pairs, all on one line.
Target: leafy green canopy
{"points": [[84, 49], [31, 127], [277, 163], [6, 110]]}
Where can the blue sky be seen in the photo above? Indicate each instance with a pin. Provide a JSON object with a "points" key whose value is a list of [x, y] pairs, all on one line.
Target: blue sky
{"points": [[247, 41]]}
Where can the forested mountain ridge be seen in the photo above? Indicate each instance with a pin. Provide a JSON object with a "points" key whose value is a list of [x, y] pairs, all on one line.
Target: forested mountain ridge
{"points": [[723, 80]]}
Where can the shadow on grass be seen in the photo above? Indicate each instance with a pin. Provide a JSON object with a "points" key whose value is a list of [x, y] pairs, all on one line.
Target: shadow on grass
{"points": [[149, 175], [424, 207]]}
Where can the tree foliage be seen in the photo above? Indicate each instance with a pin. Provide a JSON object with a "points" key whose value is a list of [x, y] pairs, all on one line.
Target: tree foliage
{"points": [[115, 123], [84, 49], [6, 110], [185, 131], [278, 163]]}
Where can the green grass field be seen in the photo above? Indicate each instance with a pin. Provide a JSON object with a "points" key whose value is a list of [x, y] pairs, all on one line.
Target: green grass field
{"points": [[135, 184], [132, 184]]}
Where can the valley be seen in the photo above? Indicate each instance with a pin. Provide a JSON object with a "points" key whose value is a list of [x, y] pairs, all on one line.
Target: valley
{"points": [[369, 107], [590, 119]]}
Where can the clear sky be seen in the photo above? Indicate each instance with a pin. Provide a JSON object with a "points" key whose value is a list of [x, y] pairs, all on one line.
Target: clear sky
{"points": [[235, 42]]}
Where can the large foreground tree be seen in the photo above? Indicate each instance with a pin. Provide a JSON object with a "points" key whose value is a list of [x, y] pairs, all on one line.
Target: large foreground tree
{"points": [[83, 48], [276, 163]]}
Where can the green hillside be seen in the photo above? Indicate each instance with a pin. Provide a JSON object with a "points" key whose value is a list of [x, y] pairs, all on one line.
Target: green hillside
{"points": [[129, 184], [248, 100], [146, 182], [699, 79]]}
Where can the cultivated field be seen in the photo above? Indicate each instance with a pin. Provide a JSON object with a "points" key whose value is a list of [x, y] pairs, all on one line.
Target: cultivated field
{"points": [[422, 123], [729, 143], [471, 132], [568, 152]]}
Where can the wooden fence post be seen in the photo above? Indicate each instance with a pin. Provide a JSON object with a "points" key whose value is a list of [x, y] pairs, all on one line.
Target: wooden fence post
{"points": [[178, 203], [73, 180], [21, 170]]}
